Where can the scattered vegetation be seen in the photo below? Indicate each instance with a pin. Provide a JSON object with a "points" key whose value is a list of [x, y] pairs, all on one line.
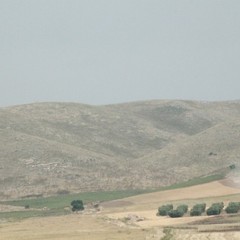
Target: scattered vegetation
{"points": [[168, 234]]}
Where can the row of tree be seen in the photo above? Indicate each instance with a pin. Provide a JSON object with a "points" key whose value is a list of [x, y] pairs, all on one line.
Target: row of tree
{"points": [[198, 209]]}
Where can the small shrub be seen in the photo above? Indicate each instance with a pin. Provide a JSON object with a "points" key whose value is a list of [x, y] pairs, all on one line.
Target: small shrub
{"points": [[27, 206], [233, 166], [168, 234], [163, 210]]}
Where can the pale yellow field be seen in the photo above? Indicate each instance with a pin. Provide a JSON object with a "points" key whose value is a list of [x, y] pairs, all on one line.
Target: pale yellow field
{"points": [[193, 235], [109, 224], [69, 227]]}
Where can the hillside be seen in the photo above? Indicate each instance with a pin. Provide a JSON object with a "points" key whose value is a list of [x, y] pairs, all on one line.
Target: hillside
{"points": [[49, 148]]}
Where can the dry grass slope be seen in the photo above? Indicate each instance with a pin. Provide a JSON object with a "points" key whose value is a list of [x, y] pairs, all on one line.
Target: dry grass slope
{"points": [[49, 147]]}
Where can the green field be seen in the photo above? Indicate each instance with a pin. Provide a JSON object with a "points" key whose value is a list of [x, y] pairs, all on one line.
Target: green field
{"points": [[62, 201], [59, 205], [195, 181]]}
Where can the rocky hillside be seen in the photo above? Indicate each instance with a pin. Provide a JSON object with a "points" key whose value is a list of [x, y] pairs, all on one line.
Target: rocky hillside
{"points": [[49, 148]]}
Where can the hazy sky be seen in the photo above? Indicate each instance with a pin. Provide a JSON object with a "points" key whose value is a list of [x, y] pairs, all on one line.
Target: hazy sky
{"points": [[109, 51]]}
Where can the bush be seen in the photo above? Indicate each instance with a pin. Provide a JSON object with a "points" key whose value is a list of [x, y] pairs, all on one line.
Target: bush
{"points": [[198, 209], [233, 207], [235, 204], [175, 213], [215, 209], [195, 212], [163, 210], [77, 205], [202, 207], [233, 166], [183, 208], [219, 205]]}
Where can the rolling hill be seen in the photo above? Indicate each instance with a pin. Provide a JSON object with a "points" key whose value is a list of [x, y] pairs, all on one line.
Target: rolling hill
{"points": [[54, 148]]}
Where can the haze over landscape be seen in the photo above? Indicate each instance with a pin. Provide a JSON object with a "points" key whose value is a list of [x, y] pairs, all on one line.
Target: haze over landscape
{"points": [[119, 120], [102, 52]]}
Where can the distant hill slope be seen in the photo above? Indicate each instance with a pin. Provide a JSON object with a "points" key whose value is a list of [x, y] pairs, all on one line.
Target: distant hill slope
{"points": [[48, 148]]}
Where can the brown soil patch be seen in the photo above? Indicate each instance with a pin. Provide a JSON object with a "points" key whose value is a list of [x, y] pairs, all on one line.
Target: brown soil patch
{"points": [[151, 201], [233, 182], [200, 191]]}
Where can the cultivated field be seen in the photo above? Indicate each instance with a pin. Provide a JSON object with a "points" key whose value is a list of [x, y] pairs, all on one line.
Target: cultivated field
{"points": [[118, 219]]}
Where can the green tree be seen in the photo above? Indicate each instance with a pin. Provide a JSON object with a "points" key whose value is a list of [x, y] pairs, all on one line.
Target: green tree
{"points": [[77, 205], [176, 213], [198, 209], [163, 210], [215, 209], [183, 208], [233, 207]]}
